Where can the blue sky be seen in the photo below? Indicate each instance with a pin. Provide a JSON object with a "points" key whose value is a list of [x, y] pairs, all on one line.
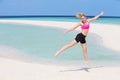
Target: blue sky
{"points": [[59, 7]]}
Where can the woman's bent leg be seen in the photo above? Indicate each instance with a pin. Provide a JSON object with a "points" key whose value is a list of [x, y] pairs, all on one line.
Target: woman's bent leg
{"points": [[66, 47]]}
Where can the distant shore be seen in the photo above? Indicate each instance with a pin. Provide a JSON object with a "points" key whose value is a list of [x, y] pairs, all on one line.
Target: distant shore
{"points": [[22, 16]]}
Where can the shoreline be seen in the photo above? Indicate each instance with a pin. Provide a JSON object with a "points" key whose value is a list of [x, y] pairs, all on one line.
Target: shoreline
{"points": [[107, 32]]}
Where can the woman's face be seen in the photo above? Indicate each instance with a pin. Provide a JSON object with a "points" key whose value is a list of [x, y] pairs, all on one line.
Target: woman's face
{"points": [[83, 18]]}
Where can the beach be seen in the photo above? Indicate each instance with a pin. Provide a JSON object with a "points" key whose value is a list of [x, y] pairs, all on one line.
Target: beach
{"points": [[20, 70], [17, 70]]}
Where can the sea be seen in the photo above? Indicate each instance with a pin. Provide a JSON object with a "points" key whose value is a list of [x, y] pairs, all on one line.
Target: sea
{"points": [[34, 44]]}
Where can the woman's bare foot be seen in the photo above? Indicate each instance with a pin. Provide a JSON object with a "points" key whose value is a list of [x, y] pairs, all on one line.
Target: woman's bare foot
{"points": [[57, 53], [87, 63]]}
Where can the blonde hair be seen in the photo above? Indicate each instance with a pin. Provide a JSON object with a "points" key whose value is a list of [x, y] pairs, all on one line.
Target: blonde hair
{"points": [[79, 15]]}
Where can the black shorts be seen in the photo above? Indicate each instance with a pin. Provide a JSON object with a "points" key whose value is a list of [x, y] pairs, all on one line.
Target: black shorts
{"points": [[80, 38]]}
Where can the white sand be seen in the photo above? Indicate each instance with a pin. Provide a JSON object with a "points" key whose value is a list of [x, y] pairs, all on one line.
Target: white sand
{"points": [[18, 70]]}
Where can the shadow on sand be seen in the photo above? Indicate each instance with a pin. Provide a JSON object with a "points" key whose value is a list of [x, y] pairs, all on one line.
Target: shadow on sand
{"points": [[82, 69]]}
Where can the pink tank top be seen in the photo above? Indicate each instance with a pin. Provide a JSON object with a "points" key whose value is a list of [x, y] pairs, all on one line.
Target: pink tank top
{"points": [[85, 25]]}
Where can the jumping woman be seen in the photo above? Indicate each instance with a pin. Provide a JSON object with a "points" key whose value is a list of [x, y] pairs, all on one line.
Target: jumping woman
{"points": [[85, 26]]}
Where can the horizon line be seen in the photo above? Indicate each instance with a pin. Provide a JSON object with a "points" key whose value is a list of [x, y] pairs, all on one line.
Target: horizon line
{"points": [[22, 16]]}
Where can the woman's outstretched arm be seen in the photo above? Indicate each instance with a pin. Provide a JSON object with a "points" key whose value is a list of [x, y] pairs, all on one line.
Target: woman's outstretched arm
{"points": [[96, 17], [73, 28]]}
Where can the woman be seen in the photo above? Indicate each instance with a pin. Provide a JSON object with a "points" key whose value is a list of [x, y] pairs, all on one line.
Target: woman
{"points": [[84, 24]]}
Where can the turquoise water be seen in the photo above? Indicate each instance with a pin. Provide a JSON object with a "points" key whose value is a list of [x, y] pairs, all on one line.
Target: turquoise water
{"points": [[40, 44], [110, 20]]}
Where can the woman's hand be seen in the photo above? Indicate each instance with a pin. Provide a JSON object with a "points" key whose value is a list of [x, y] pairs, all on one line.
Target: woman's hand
{"points": [[64, 32], [102, 13]]}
